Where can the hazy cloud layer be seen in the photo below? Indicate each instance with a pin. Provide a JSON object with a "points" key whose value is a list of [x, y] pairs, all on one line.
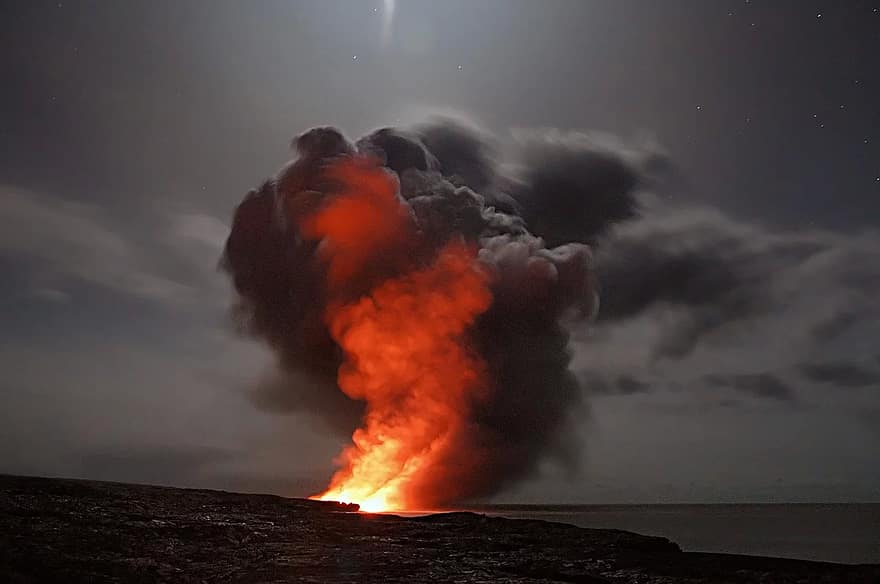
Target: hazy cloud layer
{"points": [[57, 242], [693, 297], [842, 374], [710, 274], [757, 384]]}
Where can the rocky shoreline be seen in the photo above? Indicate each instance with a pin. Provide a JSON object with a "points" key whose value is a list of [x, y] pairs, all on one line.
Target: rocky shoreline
{"points": [[54, 530]]}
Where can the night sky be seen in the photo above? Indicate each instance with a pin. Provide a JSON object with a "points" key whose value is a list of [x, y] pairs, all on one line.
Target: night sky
{"points": [[129, 132]]}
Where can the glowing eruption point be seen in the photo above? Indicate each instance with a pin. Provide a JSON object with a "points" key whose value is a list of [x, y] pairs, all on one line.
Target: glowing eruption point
{"points": [[405, 345]]}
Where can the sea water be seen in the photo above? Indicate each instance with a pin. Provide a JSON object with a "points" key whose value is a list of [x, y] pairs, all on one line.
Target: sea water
{"points": [[847, 533]]}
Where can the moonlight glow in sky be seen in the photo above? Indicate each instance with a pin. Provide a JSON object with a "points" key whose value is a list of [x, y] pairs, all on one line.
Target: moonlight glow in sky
{"points": [[387, 21]]}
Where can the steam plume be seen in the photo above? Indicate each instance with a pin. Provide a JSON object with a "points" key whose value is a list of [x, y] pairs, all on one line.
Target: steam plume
{"points": [[418, 236]]}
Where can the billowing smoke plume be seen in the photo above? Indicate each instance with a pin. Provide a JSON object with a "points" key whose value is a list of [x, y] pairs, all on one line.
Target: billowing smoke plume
{"points": [[410, 224]]}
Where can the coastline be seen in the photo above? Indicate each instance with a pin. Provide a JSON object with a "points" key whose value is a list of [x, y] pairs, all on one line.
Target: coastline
{"points": [[60, 529]]}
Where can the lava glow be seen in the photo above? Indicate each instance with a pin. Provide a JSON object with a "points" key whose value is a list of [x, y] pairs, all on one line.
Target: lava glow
{"points": [[405, 345]]}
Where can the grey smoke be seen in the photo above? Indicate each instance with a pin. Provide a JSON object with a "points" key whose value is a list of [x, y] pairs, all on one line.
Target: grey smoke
{"points": [[453, 185]]}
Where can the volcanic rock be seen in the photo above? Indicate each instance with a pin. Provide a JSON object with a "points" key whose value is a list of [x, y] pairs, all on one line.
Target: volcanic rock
{"points": [[56, 530]]}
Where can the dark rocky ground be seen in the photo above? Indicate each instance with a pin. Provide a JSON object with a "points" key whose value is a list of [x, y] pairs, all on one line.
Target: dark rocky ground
{"points": [[55, 530]]}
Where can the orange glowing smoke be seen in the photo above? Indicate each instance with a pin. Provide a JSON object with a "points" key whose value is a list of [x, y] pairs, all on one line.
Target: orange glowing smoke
{"points": [[405, 344]]}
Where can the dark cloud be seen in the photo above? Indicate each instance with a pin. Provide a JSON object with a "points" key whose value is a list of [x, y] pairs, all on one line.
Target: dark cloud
{"points": [[836, 324], [627, 385], [702, 263], [398, 150], [709, 273], [463, 152], [763, 385], [574, 186], [599, 384], [841, 373]]}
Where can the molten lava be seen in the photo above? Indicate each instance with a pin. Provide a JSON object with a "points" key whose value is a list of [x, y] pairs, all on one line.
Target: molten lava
{"points": [[405, 342]]}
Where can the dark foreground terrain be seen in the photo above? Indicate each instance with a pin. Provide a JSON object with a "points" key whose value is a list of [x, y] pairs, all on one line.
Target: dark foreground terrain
{"points": [[77, 531]]}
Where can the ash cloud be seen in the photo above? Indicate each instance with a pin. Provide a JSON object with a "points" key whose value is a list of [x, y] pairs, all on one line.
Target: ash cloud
{"points": [[561, 219], [451, 181], [573, 186]]}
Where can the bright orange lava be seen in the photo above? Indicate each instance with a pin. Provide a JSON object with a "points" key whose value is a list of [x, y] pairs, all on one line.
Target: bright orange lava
{"points": [[405, 347]]}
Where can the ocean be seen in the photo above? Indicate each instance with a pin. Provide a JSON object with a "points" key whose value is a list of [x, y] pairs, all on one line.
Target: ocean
{"points": [[846, 533]]}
